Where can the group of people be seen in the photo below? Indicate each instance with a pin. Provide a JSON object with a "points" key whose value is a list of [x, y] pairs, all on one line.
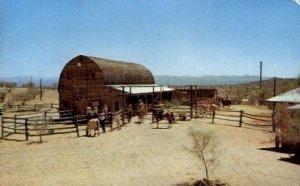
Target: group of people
{"points": [[141, 112], [105, 117], [102, 117]]}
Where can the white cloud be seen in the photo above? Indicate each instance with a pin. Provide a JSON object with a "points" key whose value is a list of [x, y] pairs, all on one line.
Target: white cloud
{"points": [[297, 1]]}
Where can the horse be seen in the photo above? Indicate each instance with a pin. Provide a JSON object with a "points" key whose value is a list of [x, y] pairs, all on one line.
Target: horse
{"points": [[225, 102], [159, 115], [92, 124]]}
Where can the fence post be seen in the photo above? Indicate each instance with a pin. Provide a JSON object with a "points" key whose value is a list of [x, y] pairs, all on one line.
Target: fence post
{"points": [[273, 121], [241, 118], [15, 123], [213, 116], [51, 105], [18, 107], [76, 125], [26, 129], [2, 132]]}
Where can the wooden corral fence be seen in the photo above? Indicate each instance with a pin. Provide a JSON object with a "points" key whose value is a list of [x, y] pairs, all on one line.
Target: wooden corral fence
{"points": [[110, 121], [35, 107], [181, 112], [242, 118], [40, 124], [52, 123]]}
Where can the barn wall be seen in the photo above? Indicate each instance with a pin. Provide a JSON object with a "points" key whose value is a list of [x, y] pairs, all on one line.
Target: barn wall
{"points": [[82, 83]]}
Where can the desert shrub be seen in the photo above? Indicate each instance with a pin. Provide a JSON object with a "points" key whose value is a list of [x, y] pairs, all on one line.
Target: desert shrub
{"points": [[28, 95], [8, 84]]}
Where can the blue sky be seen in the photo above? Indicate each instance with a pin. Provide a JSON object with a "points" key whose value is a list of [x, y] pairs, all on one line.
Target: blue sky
{"points": [[176, 37]]}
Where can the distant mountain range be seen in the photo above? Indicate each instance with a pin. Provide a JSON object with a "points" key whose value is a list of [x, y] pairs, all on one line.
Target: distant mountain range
{"points": [[206, 80], [159, 79]]}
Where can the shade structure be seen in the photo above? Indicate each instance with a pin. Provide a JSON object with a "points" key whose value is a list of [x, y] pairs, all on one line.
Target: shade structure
{"points": [[295, 107], [292, 96], [141, 89]]}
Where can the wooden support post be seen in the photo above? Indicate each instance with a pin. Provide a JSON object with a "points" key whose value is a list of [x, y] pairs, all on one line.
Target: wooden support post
{"points": [[152, 103], [274, 107], [241, 118], [213, 116], [76, 125], [160, 92], [26, 129], [123, 105], [191, 101], [51, 105], [18, 107]]}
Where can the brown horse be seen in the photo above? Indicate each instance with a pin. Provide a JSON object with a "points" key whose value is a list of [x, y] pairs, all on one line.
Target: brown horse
{"points": [[159, 115], [225, 102]]}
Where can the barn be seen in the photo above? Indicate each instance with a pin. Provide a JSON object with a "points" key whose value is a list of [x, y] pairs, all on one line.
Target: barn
{"points": [[92, 81]]}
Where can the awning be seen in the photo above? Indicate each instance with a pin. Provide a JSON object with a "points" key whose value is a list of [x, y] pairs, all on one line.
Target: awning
{"points": [[292, 96], [295, 107], [142, 89]]}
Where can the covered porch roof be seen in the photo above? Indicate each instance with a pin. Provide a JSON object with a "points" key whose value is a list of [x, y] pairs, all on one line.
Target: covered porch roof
{"points": [[292, 96], [142, 89]]}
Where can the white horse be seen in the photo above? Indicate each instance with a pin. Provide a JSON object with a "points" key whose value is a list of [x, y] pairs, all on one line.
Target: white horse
{"points": [[92, 124]]}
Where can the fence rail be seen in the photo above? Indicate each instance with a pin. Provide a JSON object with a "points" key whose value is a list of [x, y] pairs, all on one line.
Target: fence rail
{"points": [[244, 119], [35, 107], [36, 124], [51, 123]]}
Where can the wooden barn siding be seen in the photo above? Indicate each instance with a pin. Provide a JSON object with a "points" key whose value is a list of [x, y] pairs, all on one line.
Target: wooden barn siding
{"points": [[93, 88], [87, 87]]}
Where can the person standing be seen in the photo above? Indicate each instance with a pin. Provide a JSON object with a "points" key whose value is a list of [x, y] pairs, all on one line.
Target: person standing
{"points": [[95, 111], [105, 109], [102, 121], [129, 112], [141, 110], [89, 113]]}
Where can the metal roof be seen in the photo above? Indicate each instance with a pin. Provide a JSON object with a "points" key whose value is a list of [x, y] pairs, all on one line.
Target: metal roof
{"points": [[142, 89], [292, 96], [295, 107]]}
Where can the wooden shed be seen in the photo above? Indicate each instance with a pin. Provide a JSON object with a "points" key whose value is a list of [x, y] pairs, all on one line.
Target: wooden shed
{"points": [[91, 81]]}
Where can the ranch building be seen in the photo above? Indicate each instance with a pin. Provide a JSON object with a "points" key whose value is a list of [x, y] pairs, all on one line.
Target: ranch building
{"points": [[87, 81]]}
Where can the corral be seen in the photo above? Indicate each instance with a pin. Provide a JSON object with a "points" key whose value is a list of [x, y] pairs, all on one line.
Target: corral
{"points": [[143, 155]]}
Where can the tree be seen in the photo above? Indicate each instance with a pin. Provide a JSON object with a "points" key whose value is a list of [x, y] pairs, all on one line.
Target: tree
{"points": [[204, 147]]}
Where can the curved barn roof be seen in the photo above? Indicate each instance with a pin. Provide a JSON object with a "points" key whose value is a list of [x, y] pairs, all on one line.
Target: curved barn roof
{"points": [[117, 72]]}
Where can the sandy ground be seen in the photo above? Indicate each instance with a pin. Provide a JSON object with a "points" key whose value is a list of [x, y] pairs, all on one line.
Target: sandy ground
{"points": [[143, 155]]}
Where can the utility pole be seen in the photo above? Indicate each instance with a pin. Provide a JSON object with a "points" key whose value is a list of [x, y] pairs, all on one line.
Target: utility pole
{"points": [[260, 83], [260, 74], [31, 84], [274, 107]]}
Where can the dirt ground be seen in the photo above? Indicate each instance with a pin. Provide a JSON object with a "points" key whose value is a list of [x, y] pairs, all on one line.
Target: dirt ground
{"points": [[140, 154]]}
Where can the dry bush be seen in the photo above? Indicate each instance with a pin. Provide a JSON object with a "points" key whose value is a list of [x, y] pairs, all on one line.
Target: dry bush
{"points": [[28, 95], [204, 147]]}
